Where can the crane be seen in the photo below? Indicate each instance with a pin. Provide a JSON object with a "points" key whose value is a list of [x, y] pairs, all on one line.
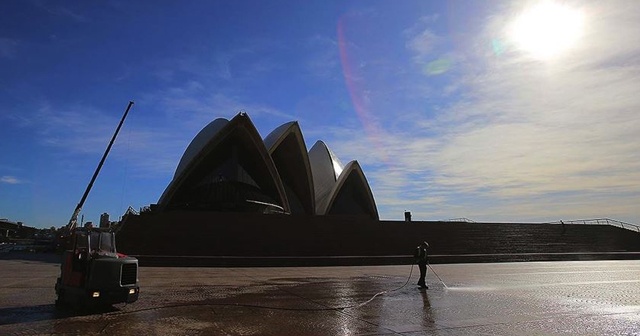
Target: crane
{"points": [[92, 272], [73, 221]]}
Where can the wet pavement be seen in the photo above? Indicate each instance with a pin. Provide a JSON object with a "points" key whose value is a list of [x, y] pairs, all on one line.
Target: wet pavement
{"points": [[529, 298]]}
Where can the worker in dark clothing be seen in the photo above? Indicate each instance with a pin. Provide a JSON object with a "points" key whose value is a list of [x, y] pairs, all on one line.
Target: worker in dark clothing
{"points": [[422, 259]]}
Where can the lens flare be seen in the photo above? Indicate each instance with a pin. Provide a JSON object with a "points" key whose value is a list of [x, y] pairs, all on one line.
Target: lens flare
{"points": [[356, 92], [437, 67]]}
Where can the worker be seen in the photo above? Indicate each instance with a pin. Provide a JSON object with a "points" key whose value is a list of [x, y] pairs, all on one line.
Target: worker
{"points": [[422, 259]]}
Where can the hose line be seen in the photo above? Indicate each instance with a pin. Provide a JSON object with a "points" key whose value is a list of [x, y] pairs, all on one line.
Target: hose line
{"points": [[354, 306]]}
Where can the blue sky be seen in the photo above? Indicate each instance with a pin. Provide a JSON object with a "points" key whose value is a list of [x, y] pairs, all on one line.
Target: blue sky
{"points": [[449, 113]]}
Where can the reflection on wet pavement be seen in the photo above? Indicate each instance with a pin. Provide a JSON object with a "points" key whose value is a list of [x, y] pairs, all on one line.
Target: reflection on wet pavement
{"points": [[537, 298]]}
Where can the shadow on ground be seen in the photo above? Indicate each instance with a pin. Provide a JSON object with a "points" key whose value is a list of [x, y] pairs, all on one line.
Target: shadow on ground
{"points": [[46, 312]]}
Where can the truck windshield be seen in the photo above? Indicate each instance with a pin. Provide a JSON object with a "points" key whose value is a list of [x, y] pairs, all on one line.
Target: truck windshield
{"points": [[102, 241], [81, 240]]}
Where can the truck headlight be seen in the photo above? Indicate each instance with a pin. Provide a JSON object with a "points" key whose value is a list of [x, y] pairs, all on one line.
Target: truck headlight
{"points": [[96, 294], [132, 291]]}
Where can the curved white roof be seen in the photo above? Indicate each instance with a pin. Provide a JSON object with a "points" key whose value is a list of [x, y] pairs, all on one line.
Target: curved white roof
{"points": [[236, 141], [199, 142], [351, 194], [289, 153], [326, 167]]}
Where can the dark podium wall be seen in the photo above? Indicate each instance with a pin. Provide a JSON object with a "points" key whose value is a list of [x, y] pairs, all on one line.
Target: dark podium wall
{"points": [[182, 233]]}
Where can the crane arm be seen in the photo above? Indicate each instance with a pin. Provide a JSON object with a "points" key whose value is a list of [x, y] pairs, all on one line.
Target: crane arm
{"points": [[73, 222]]}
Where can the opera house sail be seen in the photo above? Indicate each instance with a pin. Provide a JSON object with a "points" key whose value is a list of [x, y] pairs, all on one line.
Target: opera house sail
{"points": [[226, 168], [352, 195], [289, 153]]}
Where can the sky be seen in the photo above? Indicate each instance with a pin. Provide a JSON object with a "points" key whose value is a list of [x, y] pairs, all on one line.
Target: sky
{"points": [[495, 111]]}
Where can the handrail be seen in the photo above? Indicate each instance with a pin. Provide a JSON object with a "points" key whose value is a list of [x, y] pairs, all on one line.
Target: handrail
{"points": [[594, 221], [462, 219], [601, 221]]}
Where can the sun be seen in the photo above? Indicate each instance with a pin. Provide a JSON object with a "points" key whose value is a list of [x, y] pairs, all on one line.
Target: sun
{"points": [[547, 29]]}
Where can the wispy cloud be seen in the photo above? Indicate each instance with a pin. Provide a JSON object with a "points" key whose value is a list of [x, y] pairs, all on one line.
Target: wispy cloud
{"points": [[195, 91], [525, 140], [57, 10], [151, 147], [196, 105], [10, 180], [422, 41], [423, 44], [324, 59], [209, 64], [78, 130]]}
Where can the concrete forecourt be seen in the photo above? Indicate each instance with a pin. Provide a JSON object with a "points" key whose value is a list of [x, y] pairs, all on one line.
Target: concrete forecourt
{"points": [[527, 298]]}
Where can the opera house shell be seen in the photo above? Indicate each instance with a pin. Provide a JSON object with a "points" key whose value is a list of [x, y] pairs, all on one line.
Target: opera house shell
{"points": [[228, 167]]}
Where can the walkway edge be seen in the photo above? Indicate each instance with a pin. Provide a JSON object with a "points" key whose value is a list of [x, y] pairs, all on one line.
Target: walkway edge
{"points": [[261, 261]]}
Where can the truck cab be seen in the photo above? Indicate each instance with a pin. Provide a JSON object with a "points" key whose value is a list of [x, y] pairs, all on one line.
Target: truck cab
{"points": [[93, 273]]}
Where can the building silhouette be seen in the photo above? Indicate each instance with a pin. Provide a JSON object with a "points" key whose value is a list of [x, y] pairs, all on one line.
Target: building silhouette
{"points": [[104, 220], [228, 167]]}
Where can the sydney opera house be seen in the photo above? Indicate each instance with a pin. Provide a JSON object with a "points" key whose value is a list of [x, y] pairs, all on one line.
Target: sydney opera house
{"points": [[239, 199], [234, 193], [229, 168]]}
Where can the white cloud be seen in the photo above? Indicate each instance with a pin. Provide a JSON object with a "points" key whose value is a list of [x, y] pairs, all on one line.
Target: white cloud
{"points": [[524, 140], [424, 43], [10, 180], [80, 130], [549, 126]]}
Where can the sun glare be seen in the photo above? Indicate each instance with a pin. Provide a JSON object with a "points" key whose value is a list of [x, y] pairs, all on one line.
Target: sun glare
{"points": [[547, 29]]}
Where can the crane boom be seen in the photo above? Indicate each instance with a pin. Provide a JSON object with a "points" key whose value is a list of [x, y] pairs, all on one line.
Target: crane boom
{"points": [[73, 222]]}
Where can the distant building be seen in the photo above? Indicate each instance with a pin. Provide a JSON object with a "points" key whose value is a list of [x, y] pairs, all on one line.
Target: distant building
{"points": [[407, 216], [9, 229], [104, 221]]}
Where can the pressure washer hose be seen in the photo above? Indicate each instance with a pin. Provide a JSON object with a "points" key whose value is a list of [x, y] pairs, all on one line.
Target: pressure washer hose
{"points": [[379, 293], [272, 307]]}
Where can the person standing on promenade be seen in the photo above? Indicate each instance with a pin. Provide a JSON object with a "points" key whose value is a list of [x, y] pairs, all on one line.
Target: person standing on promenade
{"points": [[422, 259]]}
